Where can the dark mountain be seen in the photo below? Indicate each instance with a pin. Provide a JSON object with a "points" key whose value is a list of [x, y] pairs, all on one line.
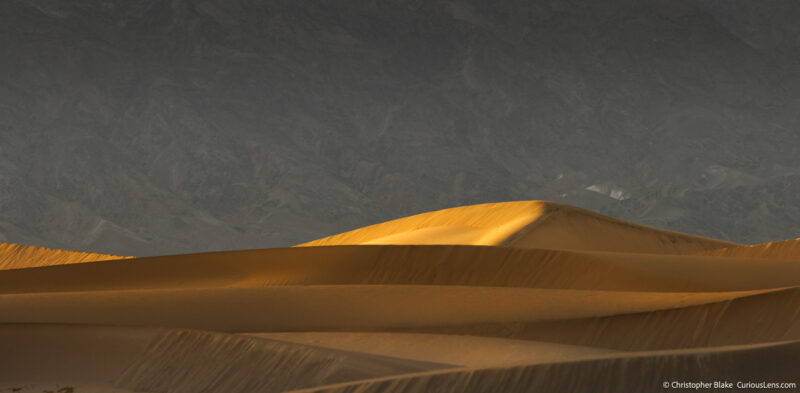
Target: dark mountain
{"points": [[148, 127]]}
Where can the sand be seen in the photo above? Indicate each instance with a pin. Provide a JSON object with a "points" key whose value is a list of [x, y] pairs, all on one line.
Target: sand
{"points": [[777, 363], [529, 224], [14, 256], [508, 297], [786, 249]]}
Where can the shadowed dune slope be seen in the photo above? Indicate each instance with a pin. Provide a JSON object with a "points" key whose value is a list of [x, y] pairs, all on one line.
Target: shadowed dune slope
{"points": [[462, 350], [412, 265], [637, 373], [766, 317], [343, 308], [17, 256], [109, 358], [194, 361], [525, 224], [512, 297], [84, 357]]}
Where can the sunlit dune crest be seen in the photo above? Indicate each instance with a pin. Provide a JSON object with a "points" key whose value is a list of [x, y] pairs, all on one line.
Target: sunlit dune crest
{"points": [[526, 224], [16, 256], [511, 297]]}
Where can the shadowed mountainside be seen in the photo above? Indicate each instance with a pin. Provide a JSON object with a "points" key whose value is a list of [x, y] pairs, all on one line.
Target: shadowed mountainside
{"points": [[155, 126]]}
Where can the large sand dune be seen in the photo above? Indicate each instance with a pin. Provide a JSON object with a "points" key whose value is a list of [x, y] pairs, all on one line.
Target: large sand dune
{"points": [[531, 224], [509, 297]]}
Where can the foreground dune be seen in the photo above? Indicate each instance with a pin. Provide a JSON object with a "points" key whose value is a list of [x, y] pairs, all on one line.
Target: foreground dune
{"points": [[508, 297], [124, 359], [632, 373]]}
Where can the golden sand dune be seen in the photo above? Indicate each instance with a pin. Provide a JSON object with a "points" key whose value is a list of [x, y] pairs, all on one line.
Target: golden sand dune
{"points": [[509, 297], [529, 224], [16, 256], [339, 308], [412, 265]]}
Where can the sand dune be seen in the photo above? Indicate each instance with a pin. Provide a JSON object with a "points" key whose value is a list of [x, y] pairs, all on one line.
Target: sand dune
{"points": [[766, 317], [412, 265], [87, 358], [461, 350], [16, 256], [522, 296], [338, 308], [635, 372], [125, 359], [192, 361], [529, 224]]}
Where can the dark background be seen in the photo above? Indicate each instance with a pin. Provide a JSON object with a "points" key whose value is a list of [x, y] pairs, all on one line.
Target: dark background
{"points": [[148, 127]]}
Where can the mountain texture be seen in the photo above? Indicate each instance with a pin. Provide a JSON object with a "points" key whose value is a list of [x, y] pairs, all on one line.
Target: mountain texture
{"points": [[153, 126]]}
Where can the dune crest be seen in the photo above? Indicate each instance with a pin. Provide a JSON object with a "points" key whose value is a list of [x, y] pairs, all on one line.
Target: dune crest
{"points": [[786, 249], [525, 224], [17, 256]]}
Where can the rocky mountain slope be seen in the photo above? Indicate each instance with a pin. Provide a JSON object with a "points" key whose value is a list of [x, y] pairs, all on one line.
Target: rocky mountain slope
{"points": [[152, 127]]}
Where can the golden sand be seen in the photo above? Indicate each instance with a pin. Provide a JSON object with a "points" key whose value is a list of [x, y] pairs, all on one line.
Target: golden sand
{"points": [[15, 256], [511, 297]]}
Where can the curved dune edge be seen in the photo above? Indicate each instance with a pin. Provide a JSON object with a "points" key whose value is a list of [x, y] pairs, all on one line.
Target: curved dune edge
{"points": [[412, 265], [119, 359], [339, 308], [762, 318], [635, 372], [193, 361], [525, 224], [492, 312], [458, 350], [786, 249], [17, 256], [126, 359]]}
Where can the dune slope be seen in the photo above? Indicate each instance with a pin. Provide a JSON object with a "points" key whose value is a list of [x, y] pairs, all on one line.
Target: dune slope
{"points": [[17, 256], [126, 359], [639, 372], [412, 265]]}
